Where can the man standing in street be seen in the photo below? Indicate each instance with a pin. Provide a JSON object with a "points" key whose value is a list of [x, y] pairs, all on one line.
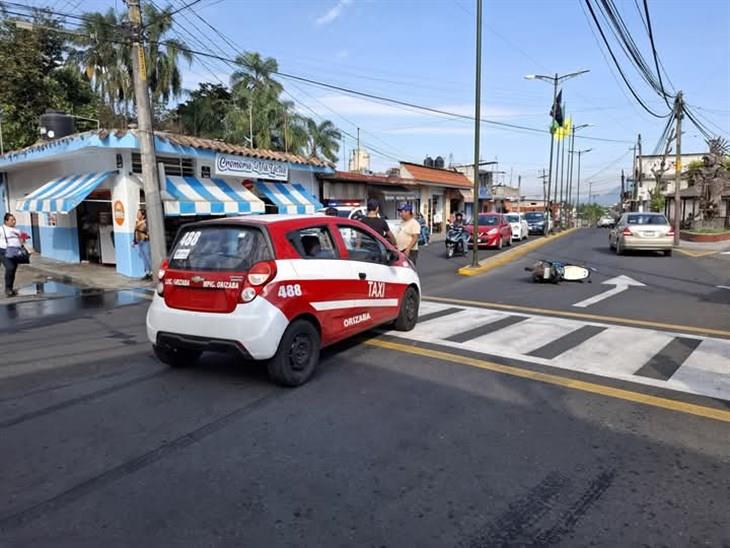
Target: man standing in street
{"points": [[376, 222], [408, 232]]}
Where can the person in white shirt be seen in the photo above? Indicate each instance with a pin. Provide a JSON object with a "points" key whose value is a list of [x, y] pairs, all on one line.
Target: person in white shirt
{"points": [[9, 237]]}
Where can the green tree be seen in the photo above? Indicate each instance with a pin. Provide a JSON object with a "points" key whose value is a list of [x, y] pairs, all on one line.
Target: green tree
{"points": [[34, 79], [204, 113], [163, 61], [324, 140]]}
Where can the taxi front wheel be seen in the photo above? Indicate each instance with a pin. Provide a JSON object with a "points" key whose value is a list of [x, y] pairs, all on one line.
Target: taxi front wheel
{"points": [[408, 315], [297, 355]]}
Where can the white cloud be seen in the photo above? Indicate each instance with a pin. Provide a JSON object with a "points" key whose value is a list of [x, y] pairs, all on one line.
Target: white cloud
{"points": [[333, 13]]}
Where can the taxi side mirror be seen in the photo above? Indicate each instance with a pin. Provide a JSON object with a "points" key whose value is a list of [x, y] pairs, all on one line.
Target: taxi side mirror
{"points": [[391, 256]]}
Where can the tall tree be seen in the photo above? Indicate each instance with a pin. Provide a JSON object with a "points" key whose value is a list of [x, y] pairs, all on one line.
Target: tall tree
{"points": [[324, 140], [204, 113], [34, 79], [164, 53]]}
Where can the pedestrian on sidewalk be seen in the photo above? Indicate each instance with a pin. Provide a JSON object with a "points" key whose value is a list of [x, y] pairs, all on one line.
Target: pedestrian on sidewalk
{"points": [[408, 233], [11, 243], [142, 242], [376, 222]]}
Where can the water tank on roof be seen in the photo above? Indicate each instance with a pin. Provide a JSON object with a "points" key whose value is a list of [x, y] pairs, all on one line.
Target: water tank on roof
{"points": [[55, 124], [439, 162], [428, 162]]}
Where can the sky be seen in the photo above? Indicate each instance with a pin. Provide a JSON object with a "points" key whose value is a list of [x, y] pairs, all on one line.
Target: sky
{"points": [[423, 51]]}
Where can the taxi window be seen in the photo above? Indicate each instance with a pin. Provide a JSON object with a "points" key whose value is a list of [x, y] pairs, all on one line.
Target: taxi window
{"points": [[219, 248], [361, 246], [313, 243]]}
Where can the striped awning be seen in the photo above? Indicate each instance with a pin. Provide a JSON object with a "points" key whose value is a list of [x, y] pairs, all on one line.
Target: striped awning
{"points": [[192, 196], [63, 194], [290, 198]]}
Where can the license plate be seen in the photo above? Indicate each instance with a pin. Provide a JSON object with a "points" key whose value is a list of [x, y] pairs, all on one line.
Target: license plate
{"points": [[649, 234]]}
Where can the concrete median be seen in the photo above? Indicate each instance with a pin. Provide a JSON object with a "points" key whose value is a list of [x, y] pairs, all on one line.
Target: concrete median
{"points": [[506, 257]]}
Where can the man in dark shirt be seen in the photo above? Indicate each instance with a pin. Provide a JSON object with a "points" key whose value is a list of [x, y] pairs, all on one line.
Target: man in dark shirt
{"points": [[374, 221]]}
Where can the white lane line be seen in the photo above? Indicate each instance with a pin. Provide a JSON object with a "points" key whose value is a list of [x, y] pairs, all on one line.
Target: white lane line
{"points": [[723, 286]]}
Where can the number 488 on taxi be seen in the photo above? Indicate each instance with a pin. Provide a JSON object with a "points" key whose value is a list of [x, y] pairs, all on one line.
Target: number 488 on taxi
{"points": [[277, 288]]}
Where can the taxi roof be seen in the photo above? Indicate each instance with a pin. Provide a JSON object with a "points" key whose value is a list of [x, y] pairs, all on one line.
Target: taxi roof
{"points": [[274, 220]]}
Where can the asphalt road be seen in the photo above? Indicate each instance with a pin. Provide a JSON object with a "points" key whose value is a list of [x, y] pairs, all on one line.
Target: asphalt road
{"points": [[102, 445], [680, 289]]}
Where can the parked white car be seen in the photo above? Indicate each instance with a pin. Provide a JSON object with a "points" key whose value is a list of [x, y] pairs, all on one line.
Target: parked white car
{"points": [[518, 223]]}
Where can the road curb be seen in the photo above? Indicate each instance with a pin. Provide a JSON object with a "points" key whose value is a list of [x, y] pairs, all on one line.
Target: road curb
{"points": [[507, 257]]}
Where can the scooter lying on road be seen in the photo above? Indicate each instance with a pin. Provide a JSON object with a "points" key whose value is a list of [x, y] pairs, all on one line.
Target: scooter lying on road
{"points": [[556, 272], [455, 241]]}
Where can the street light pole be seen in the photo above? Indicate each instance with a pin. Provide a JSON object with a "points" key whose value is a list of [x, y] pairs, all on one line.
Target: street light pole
{"points": [[577, 206], [150, 180], [477, 128], [555, 80]]}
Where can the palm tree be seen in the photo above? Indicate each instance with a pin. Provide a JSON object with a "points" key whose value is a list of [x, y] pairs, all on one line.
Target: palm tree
{"points": [[257, 110], [324, 139], [163, 70], [105, 62]]}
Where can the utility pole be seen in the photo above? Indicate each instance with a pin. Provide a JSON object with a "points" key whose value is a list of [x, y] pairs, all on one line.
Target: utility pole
{"points": [[477, 128], [678, 110], [623, 186], [579, 153], [562, 184], [519, 192], [634, 172], [150, 179], [640, 174], [357, 152]]}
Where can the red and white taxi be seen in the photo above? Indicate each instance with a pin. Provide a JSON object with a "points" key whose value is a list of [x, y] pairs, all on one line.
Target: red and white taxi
{"points": [[277, 288]]}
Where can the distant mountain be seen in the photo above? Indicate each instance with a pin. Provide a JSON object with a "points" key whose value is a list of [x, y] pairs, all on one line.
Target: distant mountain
{"points": [[608, 198]]}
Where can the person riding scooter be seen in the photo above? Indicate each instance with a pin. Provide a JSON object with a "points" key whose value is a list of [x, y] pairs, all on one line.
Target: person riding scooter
{"points": [[457, 237]]}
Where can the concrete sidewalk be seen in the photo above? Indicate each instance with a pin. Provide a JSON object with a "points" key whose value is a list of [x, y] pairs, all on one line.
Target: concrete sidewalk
{"points": [[708, 247], [84, 275]]}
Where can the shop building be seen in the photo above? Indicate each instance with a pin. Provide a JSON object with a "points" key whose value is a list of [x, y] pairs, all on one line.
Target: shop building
{"points": [[78, 196]]}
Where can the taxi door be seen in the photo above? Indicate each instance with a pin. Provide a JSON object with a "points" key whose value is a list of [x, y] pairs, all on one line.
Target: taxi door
{"points": [[378, 287]]}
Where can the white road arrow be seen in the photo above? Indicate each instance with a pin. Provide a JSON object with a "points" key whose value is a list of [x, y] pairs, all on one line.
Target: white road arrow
{"points": [[622, 283]]}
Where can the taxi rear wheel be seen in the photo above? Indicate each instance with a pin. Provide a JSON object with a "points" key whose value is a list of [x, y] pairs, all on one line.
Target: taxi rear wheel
{"points": [[297, 356], [176, 357], [408, 315]]}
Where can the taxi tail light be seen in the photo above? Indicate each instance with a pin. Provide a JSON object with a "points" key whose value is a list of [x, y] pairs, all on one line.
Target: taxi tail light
{"points": [[671, 231], [161, 277], [627, 232], [258, 276]]}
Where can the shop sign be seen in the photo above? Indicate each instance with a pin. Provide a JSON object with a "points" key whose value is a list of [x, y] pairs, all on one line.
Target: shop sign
{"points": [[119, 212], [242, 166]]}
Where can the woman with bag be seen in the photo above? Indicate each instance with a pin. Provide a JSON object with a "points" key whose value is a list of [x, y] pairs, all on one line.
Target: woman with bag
{"points": [[12, 252]]}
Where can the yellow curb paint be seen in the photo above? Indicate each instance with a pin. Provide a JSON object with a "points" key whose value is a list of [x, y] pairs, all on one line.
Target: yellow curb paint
{"points": [[695, 253], [584, 316], [573, 384], [507, 257]]}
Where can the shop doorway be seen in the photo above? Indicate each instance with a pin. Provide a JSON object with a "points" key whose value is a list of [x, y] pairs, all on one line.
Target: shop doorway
{"points": [[35, 233], [96, 232]]}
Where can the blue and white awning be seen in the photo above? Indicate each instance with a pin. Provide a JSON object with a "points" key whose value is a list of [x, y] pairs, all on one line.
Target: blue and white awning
{"points": [[63, 194], [290, 198], [192, 196]]}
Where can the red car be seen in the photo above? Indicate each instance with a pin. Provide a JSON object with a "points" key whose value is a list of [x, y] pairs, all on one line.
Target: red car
{"points": [[494, 231], [277, 288]]}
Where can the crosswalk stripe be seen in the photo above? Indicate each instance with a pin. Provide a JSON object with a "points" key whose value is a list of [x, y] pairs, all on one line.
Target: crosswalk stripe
{"points": [[664, 364], [554, 348], [438, 314], [690, 363], [484, 329]]}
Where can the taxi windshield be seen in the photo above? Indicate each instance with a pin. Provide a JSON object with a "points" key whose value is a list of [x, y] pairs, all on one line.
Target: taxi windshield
{"points": [[488, 220], [219, 248], [513, 218]]}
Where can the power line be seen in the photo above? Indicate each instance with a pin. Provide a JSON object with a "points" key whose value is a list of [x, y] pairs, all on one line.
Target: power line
{"points": [[654, 53], [618, 66]]}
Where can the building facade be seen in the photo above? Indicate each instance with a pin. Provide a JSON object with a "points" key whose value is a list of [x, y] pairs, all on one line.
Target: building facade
{"points": [[78, 196]]}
